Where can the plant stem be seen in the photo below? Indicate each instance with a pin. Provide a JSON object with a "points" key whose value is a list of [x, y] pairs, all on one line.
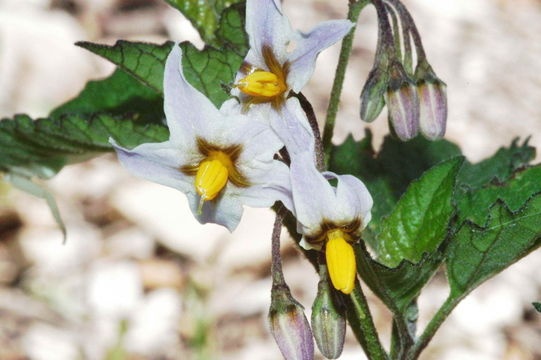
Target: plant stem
{"points": [[374, 349], [276, 266], [355, 8], [433, 326], [401, 336]]}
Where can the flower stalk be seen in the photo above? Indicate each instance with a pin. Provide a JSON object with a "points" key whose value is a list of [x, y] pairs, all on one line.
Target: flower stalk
{"points": [[288, 323], [366, 331]]}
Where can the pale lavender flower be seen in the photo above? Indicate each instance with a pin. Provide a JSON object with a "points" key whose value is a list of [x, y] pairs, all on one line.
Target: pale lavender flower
{"points": [[221, 160], [327, 217], [280, 59]]}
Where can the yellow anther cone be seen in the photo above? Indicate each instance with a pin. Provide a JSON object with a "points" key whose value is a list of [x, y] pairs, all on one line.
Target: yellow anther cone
{"points": [[261, 83], [211, 178], [340, 261]]}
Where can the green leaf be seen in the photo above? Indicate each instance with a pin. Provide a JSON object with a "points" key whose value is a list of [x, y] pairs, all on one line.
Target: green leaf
{"points": [[398, 286], [420, 220], [474, 205], [480, 252], [499, 166], [388, 173], [537, 306], [119, 94], [143, 61], [208, 70], [204, 15], [42, 147], [213, 70]]}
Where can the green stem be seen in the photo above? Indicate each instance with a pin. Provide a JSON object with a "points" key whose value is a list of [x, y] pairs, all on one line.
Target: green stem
{"points": [[355, 8], [374, 349], [433, 326], [402, 340]]}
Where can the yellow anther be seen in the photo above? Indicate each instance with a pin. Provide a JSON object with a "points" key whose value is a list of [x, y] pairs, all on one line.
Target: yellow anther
{"points": [[340, 261], [212, 175], [262, 83]]}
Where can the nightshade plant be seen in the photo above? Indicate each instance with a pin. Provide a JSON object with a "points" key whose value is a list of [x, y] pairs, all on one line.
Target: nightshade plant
{"points": [[228, 125]]}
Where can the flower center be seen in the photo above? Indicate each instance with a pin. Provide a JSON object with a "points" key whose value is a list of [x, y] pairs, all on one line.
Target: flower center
{"points": [[262, 83], [340, 260], [212, 175]]}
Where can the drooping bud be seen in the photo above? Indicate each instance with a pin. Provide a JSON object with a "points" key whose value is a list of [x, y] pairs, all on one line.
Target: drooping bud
{"points": [[289, 326], [432, 94], [373, 94], [402, 103], [328, 321]]}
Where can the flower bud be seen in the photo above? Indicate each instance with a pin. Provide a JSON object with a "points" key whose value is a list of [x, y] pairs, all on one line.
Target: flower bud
{"points": [[432, 94], [289, 326], [372, 96], [328, 322], [403, 103]]}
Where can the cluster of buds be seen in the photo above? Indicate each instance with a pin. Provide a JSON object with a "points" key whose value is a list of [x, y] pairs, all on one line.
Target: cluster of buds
{"points": [[416, 99]]}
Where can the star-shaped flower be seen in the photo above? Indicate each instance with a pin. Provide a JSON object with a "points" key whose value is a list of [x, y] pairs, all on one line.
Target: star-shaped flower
{"points": [[330, 218], [220, 159], [280, 59]]}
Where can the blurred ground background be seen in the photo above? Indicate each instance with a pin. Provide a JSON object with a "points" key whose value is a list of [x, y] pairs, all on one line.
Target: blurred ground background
{"points": [[140, 279]]}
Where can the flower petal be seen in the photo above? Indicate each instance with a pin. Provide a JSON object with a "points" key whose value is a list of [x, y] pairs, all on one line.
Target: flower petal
{"points": [[354, 198], [313, 196], [186, 109], [260, 143], [291, 125], [267, 26], [275, 185], [226, 210], [157, 162], [303, 57]]}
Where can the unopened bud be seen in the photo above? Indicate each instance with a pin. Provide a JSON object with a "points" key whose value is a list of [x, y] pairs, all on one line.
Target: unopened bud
{"points": [[402, 103], [328, 322], [373, 94], [432, 94], [289, 326]]}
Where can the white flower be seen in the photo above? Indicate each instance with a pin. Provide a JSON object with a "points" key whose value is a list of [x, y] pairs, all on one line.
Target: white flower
{"points": [[328, 217], [220, 159], [280, 59]]}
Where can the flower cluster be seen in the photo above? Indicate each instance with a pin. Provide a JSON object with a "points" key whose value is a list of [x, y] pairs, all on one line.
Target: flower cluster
{"points": [[225, 158]]}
